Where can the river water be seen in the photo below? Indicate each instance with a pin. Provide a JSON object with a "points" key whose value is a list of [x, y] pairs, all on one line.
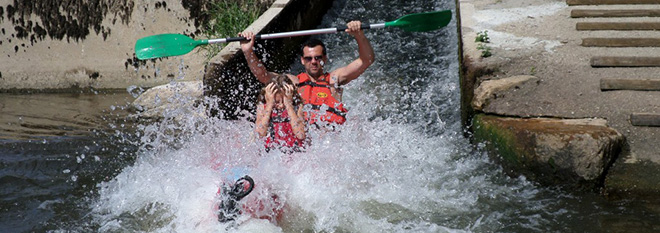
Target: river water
{"points": [[81, 163]]}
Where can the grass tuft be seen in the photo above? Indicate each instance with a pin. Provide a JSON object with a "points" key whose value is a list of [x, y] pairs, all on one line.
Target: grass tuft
{"points": [[483, 38], [229, 17]]}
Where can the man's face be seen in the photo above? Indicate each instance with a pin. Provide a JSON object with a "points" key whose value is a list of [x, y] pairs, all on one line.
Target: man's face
{"points": [[313, 60]]}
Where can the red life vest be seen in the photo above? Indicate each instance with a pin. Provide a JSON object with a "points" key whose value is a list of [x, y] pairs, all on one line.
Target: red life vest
{"points": [[281, 133], [317, 94]]}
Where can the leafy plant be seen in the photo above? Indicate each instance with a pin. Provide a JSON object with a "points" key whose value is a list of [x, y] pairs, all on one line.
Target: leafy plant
{"points": [[485, 50], [482, 36]]}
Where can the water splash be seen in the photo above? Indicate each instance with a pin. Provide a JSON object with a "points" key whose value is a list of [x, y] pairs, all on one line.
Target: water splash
{"points": [[399, 164], [173, 184], [373, 175]]}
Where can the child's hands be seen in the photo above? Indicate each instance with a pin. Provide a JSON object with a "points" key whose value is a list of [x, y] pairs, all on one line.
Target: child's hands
{"points": [[270, 94], [288, 95]]}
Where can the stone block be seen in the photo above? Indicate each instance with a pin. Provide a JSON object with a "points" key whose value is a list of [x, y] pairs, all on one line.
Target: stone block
{"points": [[573, 152], [489, 89], [165, 100]]}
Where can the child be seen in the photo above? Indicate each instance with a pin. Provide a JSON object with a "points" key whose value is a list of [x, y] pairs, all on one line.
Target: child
{"points": [[280, 116], [280, 122]]}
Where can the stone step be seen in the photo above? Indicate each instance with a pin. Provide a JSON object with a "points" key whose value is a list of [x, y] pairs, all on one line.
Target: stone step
{"points": [[621, 42], [621, 34], [645, 119], [587, 13], [609, 2], [630, 84], [612, 61], [589, 26]]}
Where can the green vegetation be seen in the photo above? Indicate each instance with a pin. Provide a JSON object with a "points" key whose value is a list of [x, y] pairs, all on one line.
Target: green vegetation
{"points": [[483, 38], [229, 17], [485, 50]]}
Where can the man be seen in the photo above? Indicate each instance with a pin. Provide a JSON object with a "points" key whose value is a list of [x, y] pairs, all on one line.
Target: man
{"points": [[318, 88]]}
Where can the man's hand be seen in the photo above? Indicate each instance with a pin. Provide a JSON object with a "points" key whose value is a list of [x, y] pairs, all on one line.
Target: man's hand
{"points": [[354, 28], [246, 46]]}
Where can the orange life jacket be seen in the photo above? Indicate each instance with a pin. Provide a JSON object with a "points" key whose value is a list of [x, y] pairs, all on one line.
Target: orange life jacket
{"points": [[317, 94]]}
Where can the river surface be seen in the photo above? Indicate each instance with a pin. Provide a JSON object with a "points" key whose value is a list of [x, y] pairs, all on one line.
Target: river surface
{"points": [[81, 163]]}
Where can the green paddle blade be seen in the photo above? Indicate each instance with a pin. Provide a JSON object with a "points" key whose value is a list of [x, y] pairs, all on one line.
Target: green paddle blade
{"points": [[165, 45], [422, 22]]}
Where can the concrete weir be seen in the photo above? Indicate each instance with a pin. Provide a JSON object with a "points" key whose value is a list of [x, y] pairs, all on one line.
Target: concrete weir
{"points": [[563, 91], [533, 97]]}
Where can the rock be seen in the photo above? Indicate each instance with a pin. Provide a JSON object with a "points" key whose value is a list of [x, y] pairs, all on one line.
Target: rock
{"points": [[575, 152], [489, 89], [163, 101]]}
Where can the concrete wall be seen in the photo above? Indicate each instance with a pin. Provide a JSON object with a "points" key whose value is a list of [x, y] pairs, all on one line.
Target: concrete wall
{"points": [[227, 75], [90, 44]]}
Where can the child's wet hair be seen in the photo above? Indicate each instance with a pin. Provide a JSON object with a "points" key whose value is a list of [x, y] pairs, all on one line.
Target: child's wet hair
{"points": [[280, 80]]}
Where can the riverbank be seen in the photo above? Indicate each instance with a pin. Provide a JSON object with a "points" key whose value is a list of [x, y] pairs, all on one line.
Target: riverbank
{"points": [[539, 40]]}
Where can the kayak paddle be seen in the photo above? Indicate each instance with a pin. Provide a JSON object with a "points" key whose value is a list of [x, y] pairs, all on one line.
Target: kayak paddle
{"points": [[166, 45]]}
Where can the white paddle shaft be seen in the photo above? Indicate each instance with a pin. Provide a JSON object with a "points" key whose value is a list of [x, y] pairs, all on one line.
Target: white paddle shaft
{"points": [[293, 34]]}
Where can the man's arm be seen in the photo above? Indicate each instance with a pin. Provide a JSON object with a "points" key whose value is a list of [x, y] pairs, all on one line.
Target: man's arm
{"points": [[256, 66], [358, 66]]}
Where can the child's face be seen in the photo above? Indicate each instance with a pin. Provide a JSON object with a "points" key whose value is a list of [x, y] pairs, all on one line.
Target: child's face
{"points": [[279, 100]]}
